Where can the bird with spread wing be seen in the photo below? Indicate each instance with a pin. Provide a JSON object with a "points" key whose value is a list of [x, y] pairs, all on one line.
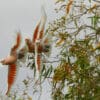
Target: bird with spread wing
{"points": [[11, 61], [40, 42]]}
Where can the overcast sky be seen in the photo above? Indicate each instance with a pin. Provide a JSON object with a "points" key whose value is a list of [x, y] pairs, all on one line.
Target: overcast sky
{"points": [[18, 15]]}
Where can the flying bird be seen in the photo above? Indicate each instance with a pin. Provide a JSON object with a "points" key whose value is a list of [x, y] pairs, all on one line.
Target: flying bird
{"points": [[39, 43], [11, 62]]}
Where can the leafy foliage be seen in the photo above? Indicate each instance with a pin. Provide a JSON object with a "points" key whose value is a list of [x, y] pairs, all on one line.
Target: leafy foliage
{"points": [[77, 75]]}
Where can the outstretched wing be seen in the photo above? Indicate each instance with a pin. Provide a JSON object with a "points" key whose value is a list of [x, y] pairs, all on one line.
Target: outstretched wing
{"points": [[18, 42], [11, 76], [39, 30], [36, 33], [38, 61], [43, 22]]}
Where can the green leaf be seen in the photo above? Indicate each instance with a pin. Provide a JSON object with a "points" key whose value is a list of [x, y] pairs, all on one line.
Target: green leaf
{"points": [[48, 72], [90, 1]]}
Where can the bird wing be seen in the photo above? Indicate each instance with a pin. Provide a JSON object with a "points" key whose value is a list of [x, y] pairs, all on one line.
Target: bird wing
{"points": [[43, 22], [37, 59], [18, 42], [11, 76], [36, 33], [39, 30]]}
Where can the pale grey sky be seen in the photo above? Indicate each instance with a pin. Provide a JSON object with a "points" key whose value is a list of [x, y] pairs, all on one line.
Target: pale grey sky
{"points": [[18, 15]]}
